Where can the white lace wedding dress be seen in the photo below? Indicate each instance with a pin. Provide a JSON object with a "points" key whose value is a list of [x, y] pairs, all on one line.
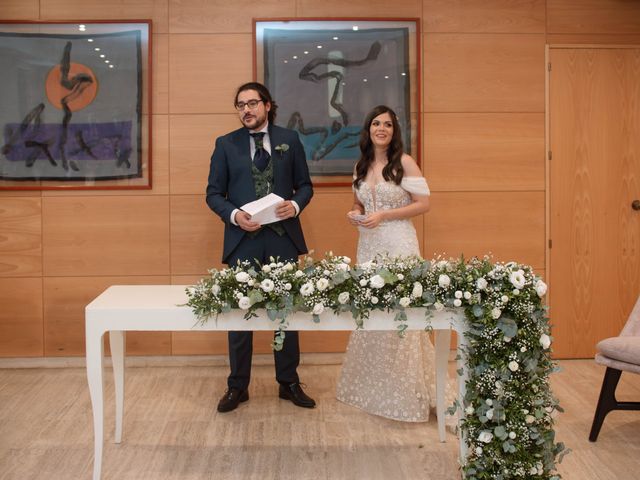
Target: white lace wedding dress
{"points": [[382, 373]]}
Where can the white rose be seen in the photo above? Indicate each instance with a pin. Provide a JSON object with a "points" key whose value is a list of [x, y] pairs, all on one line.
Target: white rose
{"points": [[346, 259], [545, 341], [438, 306], [244, 303], [343, 267], [299, 273], [363, 282], [496, 312], [513, 365], [517, 279], [417, 290], [481, 283], [458, 294], [529, 419], [442, 264], [485, 436], [215, 289], [326, 272], [512, 435], [318, 308], [523, 349], [400, 277], [267, 285], [343, 298], [287, 286], [251, 282], [374, 300], [288, 267], [516, 291], [533, 471], [488, 401], [306, 289], [541, 288], [457, 302], [506, 339], [266, 268], [467, 295], [489, 414], [469, 410], [242, 277], [479, 451], [405, 301], [444, 280], [376, 281], [504, 299], [322, 284]]}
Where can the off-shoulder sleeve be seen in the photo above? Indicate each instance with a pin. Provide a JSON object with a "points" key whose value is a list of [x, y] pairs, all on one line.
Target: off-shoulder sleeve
{"points": [[415, 185]]}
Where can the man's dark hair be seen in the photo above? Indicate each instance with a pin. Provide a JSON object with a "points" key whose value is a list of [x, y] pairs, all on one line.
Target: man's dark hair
{"points": [[265, 96]]}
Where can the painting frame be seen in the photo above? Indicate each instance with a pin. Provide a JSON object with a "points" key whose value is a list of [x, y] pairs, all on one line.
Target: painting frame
{"points": [[79, 113], [349, 76]]}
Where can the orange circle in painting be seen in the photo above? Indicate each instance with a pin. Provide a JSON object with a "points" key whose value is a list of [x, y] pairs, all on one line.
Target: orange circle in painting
{"points": [[77, 100]]}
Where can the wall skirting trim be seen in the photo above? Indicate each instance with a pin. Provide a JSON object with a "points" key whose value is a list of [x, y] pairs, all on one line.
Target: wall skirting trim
{"points": [[165, 361]]}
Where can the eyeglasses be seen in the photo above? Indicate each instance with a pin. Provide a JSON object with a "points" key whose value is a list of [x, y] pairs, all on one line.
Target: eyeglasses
{"points": [[252, 104]]}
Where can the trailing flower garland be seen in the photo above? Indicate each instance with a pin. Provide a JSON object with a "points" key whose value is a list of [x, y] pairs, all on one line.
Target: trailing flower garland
{"points": [[508, 406]]}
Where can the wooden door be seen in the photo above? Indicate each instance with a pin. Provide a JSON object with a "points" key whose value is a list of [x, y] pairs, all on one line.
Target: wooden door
{"points": [[594, 139]]}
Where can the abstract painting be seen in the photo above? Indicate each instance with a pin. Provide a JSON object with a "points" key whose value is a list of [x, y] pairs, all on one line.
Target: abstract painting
{"points": [[75, 109], [326, 75]]}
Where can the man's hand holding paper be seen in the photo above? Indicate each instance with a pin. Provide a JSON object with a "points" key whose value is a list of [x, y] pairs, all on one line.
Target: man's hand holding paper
{"points": [[269, 209]]}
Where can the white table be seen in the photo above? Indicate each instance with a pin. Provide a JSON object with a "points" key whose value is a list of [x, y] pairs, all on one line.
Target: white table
{"points": [[123, 308]]}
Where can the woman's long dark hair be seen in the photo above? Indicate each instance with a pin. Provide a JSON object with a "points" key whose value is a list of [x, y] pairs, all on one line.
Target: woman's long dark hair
{"points": [[393, 170]]}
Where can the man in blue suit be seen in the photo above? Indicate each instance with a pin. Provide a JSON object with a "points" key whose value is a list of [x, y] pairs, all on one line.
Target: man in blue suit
{"points": [[247, 164]]}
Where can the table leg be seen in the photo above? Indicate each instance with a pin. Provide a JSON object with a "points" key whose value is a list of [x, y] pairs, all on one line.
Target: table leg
{"points": [[442, 344], [95, 361], [116, 341]]}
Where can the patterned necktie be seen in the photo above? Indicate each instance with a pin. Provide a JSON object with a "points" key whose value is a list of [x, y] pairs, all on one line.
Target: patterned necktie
{"points": [[261, 157]]}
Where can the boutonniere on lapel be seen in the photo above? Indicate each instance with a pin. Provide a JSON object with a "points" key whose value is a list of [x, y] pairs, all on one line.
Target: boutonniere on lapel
{"points": [[283, 147]]}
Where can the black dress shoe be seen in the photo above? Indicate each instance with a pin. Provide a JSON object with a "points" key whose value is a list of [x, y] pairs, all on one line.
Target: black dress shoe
{"points": [[294, 392], [231, 399]]}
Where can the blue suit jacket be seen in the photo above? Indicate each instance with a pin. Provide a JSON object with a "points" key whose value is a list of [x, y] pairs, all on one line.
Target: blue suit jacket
{"points": [[231, 183]]}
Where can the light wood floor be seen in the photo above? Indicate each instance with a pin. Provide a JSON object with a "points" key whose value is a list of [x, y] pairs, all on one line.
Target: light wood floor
{"points": [[172, 431]]}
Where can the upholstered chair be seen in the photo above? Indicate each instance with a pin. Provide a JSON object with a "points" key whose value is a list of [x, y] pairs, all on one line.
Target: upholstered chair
{"points": [[618, 354]]}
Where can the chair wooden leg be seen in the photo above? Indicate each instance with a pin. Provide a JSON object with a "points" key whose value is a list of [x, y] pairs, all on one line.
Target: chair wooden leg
{"points": [[606, 402]]}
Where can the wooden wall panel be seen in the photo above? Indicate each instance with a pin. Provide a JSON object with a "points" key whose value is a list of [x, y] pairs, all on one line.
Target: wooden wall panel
{"points": [[20, 236], [160, 74], [156, 10], [223, 16], [484, 151], [192, 141], [206, 70], [21, 317], [125, 235], [510, 225], [593, 16], [484, 16], [160, 161], [64, 302], [483, 73], [19, 9], [592, 39], [196, 236], [360, 8]]}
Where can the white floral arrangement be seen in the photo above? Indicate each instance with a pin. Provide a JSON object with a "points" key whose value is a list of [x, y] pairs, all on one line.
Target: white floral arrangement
{"points": [[508, 406]]}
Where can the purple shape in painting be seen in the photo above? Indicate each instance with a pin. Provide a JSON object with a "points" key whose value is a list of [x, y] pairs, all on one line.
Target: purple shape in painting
{"points": [[88, 141]]}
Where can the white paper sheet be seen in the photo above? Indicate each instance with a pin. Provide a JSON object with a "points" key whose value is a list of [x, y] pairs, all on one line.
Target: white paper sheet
{"points": [[263, 210]]}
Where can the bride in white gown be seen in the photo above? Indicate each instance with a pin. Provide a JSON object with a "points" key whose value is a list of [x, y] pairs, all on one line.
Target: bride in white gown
{"points": [[382, 373]]}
